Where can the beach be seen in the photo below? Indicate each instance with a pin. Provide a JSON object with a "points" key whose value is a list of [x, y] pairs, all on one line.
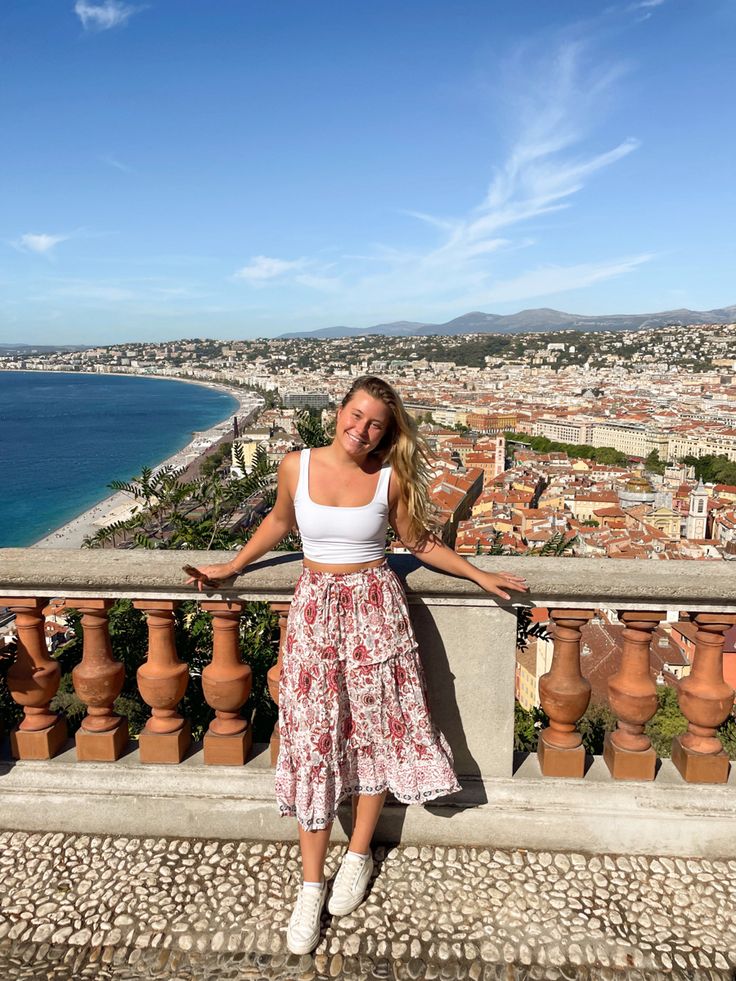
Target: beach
{"points": [[119, 506]]}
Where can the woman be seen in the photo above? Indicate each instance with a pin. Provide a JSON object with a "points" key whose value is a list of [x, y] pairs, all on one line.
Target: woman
{"points": [[353, 709]]}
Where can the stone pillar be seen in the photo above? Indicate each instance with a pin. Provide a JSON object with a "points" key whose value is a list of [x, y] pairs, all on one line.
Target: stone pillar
{"points": [[705, 701], [98, 680], [162, 682], [33, 680], [227, 684], [274, 674], [632, 694], [564, 694]]}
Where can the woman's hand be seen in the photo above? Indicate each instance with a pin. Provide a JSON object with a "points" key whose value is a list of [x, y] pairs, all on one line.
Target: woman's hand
{"points": [[498, 582], [209, 575]]}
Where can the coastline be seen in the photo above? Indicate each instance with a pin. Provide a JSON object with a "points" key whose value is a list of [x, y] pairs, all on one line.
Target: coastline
{"points": [[119, 506]]}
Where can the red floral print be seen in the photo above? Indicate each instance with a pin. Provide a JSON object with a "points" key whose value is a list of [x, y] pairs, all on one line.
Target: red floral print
{"points": [[305, 682], [360, 654], [333, 679], [324, 743], [353, 705], [396, 728], [375, 594]]}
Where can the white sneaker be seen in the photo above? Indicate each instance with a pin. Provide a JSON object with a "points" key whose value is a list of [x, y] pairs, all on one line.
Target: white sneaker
{"points": [[302, 933], [350, 884]]}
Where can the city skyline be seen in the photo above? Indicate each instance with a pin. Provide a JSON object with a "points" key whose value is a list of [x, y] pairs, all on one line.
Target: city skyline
{"points": [[247, 172]]}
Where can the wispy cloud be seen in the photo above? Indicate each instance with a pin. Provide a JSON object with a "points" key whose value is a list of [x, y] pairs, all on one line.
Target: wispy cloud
{"points": [[116, 164], [41, 243], [477, 258], [104, 16], [262, 268], [646, 4], [644, 8]]}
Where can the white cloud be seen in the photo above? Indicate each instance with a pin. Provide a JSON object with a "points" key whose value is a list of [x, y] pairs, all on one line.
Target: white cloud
{"points": [[262, 268], [104, 16], [40, 243]]}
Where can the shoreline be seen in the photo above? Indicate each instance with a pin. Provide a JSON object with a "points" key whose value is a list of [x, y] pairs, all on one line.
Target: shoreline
{"points": [[118, 506]]}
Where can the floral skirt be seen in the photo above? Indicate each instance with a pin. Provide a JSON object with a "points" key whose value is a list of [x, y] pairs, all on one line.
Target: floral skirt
{"points": [[353, 709]]}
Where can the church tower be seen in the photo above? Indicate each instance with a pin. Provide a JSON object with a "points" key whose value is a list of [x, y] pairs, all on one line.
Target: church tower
{"points": [[697, 517]]}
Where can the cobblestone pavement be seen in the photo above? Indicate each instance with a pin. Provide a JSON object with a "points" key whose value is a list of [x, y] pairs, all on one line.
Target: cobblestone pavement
{"points": [[78, 906]]}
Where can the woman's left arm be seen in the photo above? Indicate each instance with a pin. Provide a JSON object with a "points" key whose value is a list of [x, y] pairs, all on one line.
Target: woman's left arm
{"points": [[434, 552]]}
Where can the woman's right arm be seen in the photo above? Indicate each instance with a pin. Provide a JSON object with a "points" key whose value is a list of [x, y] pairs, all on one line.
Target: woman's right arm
{"points": [[277, 524]]}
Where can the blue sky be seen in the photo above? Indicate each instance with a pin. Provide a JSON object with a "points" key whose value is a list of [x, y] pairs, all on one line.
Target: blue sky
{"points": [[176, 168]]}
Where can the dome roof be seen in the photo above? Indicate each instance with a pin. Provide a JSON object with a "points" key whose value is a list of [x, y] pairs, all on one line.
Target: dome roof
{"points": [[639, 485]]}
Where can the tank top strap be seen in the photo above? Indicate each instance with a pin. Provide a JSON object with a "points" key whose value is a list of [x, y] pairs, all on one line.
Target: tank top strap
{"points": [[302, 486], [382, 488]]}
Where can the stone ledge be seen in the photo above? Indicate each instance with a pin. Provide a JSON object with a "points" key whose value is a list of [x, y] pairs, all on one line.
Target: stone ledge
{"points": [[564, 582], [192, 800]]}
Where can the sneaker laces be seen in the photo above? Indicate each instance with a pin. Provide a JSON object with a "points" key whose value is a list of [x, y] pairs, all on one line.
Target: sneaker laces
{"points": [[308, 902], [358, 865]]}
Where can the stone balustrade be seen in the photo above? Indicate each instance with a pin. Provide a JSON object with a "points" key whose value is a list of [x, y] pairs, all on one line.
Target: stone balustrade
{"points": [[559, 798]]}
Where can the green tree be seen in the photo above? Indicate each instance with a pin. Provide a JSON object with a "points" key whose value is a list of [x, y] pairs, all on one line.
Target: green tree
{"points": [[556, 545], [311, 431], [527, 726], [653, 463], [597, 721], [667, 722], [712, 469]]}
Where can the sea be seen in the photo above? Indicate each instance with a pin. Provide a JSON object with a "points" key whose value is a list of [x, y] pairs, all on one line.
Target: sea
{"points": [[64, 437]]}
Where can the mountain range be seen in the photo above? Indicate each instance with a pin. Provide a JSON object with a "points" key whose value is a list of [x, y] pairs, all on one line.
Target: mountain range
{"points": [[527, 321]]}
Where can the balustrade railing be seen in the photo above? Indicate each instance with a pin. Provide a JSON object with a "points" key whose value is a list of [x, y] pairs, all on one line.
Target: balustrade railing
{"points": [[29, 580]]}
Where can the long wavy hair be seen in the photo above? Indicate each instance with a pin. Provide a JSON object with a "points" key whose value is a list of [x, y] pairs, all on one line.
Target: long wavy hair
{"points": [[406, 450]]}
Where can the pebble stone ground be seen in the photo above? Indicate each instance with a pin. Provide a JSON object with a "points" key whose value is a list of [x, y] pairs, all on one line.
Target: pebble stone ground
{"points": [[80, 906]]}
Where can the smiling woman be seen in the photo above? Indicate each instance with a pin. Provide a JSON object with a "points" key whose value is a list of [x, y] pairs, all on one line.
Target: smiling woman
{"points": [[353, 714]]}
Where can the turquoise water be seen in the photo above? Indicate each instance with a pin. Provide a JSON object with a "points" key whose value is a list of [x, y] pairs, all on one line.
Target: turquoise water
{"points": [[64, 437]]}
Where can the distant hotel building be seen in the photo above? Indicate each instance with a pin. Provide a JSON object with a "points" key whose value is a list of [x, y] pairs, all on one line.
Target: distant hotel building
{"points": [[630, 438], [306, 400], [576, 431]]}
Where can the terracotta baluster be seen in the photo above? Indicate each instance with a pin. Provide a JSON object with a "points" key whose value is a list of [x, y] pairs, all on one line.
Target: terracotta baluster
{"points": [[274, 674], [564, 694], [33, 680], [98, 680], [632, 694], [162, 682], [227, 684], [705, 701]]}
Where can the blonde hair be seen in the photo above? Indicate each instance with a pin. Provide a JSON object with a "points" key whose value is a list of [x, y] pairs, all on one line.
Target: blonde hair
{"points": [[406, 450]]}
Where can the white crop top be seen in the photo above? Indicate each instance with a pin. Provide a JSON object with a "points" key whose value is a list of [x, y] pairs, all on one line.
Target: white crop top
{"points": [[341, 536]]}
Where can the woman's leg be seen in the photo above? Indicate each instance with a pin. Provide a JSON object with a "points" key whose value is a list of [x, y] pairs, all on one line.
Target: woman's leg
{"points": [[314, 849], [366, 811]]}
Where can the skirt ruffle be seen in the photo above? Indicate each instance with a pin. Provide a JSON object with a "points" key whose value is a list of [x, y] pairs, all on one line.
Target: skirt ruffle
{"points": [[353, 711]]}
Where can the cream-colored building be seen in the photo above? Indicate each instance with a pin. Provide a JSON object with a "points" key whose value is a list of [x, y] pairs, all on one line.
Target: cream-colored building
{"points": [[667, 521], [717, 445], [531, 664], [629, 438], [576, 431], [248, 448]]}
